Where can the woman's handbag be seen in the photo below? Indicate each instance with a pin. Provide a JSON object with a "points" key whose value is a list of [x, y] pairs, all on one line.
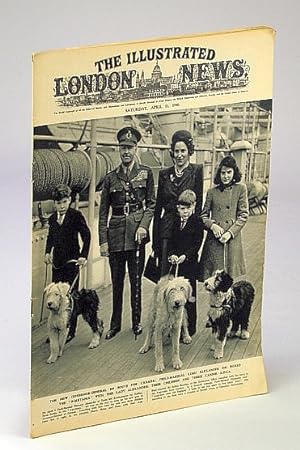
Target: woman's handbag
{"points": [[152, 269]]}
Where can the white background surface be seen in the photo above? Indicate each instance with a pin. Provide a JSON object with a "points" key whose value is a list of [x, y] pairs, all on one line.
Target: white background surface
{"points": [[265, 422]]}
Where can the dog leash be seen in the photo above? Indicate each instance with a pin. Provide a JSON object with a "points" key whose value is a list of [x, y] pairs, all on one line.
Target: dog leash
{"points": [[61, 267], [43, 298], [176, 270], [69, 294], [225, 257], [70, 288], [74, 281]]}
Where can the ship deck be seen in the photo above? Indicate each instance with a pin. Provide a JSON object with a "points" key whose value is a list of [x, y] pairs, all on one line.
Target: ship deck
{"points": [[118, 360]]}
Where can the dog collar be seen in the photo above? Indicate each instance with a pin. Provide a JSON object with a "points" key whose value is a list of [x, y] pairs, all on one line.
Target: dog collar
{"points": [[227, 306], [221, 306], [71, 302]]}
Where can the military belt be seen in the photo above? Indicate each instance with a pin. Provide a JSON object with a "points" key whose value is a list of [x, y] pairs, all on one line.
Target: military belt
{"points": [[126, 209]]}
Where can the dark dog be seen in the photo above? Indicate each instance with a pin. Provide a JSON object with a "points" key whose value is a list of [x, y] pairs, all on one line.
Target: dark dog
{"points": [[86, 303], [230, 308], [65, 307]]}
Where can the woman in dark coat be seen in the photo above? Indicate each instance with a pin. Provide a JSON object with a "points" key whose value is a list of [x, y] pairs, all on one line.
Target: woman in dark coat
{"points": [[171, 183], [224, 215]]}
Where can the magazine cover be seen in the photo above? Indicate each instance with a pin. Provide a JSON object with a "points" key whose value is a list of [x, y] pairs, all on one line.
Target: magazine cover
{"points": [[150, 181]]}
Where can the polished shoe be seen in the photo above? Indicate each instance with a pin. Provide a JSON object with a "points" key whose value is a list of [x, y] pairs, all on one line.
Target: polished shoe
{"points": [[111, 333], [137, 329]]}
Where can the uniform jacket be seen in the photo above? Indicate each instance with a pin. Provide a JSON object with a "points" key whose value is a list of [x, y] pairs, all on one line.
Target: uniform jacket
{"points": [[229, 209], [119, 231], [187, 242], [168, 191], [63, 239]]}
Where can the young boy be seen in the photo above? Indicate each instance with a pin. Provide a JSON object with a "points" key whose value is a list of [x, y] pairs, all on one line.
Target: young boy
{"points": [[187, 235], [65, 226]]}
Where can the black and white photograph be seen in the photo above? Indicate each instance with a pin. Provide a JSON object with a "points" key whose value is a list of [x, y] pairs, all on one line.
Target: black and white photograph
{"points": [[108, 372], [148, 240]]}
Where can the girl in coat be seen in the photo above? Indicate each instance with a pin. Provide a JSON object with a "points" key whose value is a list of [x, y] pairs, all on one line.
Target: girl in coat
{"points": [[224, 215]]}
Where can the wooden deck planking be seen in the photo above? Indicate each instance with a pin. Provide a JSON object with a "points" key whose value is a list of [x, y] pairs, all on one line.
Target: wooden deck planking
{"points": [[118, 359]]}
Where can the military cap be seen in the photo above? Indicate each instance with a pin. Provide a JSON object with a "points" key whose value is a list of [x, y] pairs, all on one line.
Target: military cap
{"points": [[128, 136]]}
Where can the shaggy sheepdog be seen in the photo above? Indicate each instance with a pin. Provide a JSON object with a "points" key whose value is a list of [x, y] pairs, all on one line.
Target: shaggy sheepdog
{"points": [[167, 315], [229, 310], [65, 307]]}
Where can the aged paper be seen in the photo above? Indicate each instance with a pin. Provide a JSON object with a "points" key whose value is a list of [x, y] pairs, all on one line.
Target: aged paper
{"points": [[218, 87]]}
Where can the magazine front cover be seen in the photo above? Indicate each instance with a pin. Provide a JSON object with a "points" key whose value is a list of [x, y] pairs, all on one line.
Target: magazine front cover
{"points": [[150, 182]]}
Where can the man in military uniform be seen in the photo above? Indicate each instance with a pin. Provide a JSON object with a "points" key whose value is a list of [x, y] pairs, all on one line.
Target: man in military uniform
{"points": [[129, 192]]}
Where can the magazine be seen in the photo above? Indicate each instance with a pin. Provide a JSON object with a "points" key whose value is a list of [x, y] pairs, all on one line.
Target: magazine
{"points": [[150, 183]]}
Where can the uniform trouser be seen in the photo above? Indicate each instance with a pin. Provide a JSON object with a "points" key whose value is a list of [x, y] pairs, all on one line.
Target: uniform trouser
{"points": [[164, 263], [117, 262]]}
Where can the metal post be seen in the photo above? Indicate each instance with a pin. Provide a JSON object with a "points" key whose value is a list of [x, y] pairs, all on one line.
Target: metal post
{"points": [[186, 121], [228, 124], [91, 207], [267, 146], [77, 198], [213, 157], [192, 122], [252, 155], [191, 129], [244, 121]]}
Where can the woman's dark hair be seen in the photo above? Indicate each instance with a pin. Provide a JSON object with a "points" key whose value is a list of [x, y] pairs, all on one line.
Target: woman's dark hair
{"points": [[230, 162], [182, 136]]}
